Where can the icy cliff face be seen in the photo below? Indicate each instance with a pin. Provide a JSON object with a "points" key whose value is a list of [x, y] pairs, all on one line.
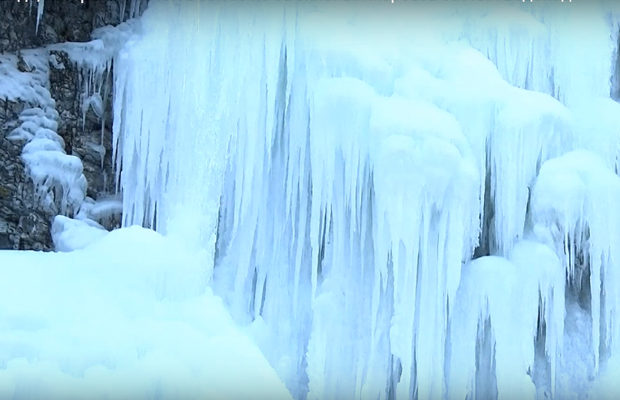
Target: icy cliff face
{"points": [[55, 115], [340, 166]]}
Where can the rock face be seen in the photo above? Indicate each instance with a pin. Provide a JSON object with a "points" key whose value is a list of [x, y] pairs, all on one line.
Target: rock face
{"points": [[86, 134], [62, 21], [23, 225], [86, 131]]}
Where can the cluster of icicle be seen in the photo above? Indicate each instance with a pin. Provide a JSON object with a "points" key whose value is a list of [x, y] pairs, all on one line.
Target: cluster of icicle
{"points": [[342, 165], [60, 186]]}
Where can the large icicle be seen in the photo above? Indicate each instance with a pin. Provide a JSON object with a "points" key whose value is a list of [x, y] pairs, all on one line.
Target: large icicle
{"points": [[149, 118], [423, 184], [575, 204], [511, 300], [40, 7], [336, 175], [511, 132], [543, 47], [530, 128]]}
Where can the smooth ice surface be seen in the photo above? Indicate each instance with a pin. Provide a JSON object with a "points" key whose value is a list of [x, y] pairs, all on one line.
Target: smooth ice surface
{"points": [[127, 317]]}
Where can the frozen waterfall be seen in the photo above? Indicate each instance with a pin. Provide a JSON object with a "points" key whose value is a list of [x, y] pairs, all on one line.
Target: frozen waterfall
{"points": [[397, 199]]}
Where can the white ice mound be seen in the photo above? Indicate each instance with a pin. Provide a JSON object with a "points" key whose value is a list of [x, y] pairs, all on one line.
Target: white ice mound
{"points": [[70, 234], [57, 177], [127, 317]]}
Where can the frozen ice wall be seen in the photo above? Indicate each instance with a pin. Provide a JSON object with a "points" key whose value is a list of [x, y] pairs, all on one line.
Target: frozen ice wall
{"points": [[341, 167]]}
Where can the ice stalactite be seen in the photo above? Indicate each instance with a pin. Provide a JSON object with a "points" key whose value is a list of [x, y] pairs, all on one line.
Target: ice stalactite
{"points": [[515, 41], [530, 128], [154, 141], [575, 197], [339, 181], [340, 230], [40, 7], [299, 200], [94, 64], [421, 163], [544, 48], [492, 289], [134, 10], [511, 131]]}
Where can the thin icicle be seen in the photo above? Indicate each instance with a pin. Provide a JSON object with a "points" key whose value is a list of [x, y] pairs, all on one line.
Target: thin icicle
{"points": [[40, 7]]}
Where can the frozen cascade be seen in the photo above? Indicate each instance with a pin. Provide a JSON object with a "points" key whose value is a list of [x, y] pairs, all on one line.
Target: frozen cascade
{"points": [[575, 203], [535, 48], [338, 177]]}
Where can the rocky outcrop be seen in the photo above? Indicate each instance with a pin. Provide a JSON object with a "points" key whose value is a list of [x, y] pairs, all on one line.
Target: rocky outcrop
{"points": [[85, 128], [62, 21], [23, 225]]}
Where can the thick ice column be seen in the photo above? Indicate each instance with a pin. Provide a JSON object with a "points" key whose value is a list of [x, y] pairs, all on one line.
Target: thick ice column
{"points": [[529, 128], [582, 41], [263, 251], [597, 127], [514, 40], [510, 131], [426, 196], [170, 136], [468, 87], [542, 278], [574, 203], [488, 291], [341, 237], [545, 45], [200, 101], [516, 296]]}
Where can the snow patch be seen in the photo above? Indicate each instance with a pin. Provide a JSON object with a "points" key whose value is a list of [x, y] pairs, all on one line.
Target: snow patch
{"points": [[128, 316]]}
